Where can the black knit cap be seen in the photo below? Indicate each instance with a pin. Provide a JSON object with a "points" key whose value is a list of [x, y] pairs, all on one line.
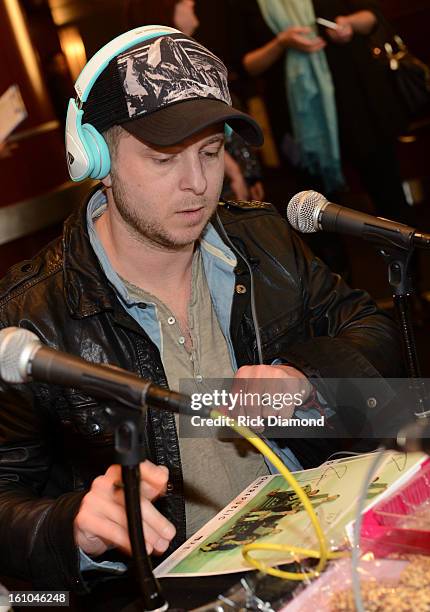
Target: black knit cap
{"points": [[164, 90]]}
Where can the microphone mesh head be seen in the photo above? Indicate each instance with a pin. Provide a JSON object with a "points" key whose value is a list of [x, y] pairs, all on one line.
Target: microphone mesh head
{"points": [[302, 208], [16, 347]]}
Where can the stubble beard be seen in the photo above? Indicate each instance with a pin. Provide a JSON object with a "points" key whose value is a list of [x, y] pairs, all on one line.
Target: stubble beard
{"points": [[149, 232]]}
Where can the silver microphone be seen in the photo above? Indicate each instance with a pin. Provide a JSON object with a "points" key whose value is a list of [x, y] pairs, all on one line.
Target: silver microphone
{"points": [[309, 211], [17, 349], [24, 358], [304, 210]]}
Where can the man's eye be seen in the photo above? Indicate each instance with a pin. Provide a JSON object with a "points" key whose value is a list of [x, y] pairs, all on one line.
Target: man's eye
{"points": [[210, 153], [162, 160]]}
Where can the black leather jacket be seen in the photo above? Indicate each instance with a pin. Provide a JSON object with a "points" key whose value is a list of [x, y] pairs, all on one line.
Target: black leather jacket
{"points": [[53, 441]]}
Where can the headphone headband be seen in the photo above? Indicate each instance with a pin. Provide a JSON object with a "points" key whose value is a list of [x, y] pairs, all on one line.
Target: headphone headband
{"points": [[101, 59], [86, 150]]}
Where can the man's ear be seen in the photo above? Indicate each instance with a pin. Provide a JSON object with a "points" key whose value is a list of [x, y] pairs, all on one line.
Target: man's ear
{"points": [[107, 181]]}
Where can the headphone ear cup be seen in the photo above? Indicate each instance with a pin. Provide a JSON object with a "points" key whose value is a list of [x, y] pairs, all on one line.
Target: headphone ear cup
{"points": [[97, 150], [79, 159], [86, 149]]}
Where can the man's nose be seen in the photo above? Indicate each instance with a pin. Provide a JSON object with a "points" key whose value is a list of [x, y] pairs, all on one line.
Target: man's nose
{"points": [[193, 174]]}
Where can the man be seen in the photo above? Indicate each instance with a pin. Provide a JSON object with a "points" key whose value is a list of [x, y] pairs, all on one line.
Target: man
{"points": [[154, 276]]}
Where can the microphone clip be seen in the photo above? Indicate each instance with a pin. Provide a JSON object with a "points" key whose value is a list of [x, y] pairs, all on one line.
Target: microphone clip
{"points": [[398, 261]]}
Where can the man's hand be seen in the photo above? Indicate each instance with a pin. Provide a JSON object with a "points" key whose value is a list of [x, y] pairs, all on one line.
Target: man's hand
{"points": [[297, 38], [101, 522], [239, 187], [344, 32], [271, 379], [256, 191]]}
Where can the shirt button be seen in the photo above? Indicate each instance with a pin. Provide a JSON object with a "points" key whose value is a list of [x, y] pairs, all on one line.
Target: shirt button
{"points": [[181, 340], [199, 378], [240, 289], [171, 320]]}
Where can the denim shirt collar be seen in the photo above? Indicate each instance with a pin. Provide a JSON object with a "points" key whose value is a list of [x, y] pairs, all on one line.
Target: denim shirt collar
{"points": [[216, 255], [219, 263]]}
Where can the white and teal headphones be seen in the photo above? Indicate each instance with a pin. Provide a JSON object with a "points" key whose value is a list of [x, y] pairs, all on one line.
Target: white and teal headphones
{"points": [[86, 150]]}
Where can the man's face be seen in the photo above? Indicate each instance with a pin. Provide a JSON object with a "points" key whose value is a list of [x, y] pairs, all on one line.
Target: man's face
{"points": [[165, 196]]}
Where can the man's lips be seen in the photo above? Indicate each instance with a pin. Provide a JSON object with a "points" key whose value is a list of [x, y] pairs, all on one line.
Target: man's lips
{"points": [[190, 210]]}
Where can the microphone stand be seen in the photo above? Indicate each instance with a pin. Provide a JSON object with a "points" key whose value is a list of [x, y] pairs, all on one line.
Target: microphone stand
{"points": [[399, 278], [127, 421]]}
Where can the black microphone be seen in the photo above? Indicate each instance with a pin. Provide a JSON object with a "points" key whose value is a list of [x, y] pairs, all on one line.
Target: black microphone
{"points": [[24, 358], [310, 211]]}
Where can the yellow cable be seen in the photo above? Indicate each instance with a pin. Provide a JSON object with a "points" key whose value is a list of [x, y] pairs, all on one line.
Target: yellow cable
{"points": [[323, 554]]}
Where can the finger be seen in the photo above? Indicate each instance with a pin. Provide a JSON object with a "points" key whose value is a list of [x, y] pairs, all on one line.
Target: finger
{"points": [[238, 391], [110, 532], [160, 546], [304, 40], [341, 20], [247, 384], [113, 473], [317, 47], [250, 401], [146, 490], [105, 490], [300, 29], [154, 475], [244, 372], [259, 191], [110, 509], [252, 372], [114, 510], [153, 480], [155, 526], [157, 521], [150, 492]]}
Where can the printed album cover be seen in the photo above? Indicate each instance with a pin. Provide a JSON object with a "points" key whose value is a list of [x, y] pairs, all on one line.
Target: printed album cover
{"points": [[269, 511]]}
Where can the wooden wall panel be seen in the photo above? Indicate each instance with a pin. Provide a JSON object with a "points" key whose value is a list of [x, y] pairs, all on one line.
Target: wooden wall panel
{"points": [[36, 163]]}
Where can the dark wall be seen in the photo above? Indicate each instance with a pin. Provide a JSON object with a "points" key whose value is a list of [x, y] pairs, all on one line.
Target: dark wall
{"points": [[411, 19], [212, 32]]}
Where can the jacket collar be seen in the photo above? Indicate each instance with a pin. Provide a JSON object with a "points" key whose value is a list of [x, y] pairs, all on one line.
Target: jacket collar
{"points": [[86, 291]]}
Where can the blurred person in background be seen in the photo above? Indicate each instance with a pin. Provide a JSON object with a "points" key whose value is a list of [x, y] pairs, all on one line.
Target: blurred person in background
{"points": [[327, 100], [242, 168]]}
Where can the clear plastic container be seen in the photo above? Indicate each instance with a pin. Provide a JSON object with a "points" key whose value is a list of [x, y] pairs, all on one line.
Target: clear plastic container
{"points": [[401, 522]]}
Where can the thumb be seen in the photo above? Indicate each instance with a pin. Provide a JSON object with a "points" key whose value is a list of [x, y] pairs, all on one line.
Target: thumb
{"points": [[341, 20]]}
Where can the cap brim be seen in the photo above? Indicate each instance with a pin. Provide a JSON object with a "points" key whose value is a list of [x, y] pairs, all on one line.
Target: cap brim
{"points": [[174, 123]]}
